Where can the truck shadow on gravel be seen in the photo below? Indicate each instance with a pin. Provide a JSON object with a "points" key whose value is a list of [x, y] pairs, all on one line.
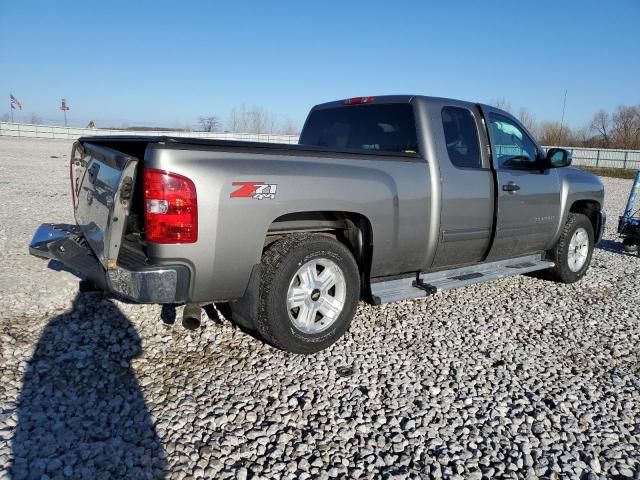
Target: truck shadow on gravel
{"points": [[81, 413]]}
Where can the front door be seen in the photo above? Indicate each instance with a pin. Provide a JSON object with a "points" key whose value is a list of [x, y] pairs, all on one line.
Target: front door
{"points": [[528, 195], [467, 185]]}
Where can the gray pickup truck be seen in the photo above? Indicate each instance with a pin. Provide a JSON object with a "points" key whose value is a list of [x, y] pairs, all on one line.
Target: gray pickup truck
{"points": [[384, 199]]}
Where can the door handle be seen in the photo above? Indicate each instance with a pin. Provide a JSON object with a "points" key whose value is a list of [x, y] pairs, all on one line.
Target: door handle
{"points": [[510, 187]]}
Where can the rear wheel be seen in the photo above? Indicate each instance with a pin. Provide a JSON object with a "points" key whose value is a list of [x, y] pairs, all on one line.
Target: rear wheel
{"points": [[572, 254], [309, 291]]}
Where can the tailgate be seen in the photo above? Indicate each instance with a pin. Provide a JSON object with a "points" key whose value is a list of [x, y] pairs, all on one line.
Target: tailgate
{"points": [[102, 183]]}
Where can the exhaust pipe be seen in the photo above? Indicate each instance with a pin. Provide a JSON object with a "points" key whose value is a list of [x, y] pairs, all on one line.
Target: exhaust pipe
{"points": [[191, 316]]}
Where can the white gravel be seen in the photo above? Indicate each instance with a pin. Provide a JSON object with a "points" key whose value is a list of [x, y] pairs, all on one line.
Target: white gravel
{"points": [[519, 378]]}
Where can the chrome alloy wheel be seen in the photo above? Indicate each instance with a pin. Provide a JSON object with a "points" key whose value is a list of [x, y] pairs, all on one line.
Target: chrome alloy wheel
{"points": [[316, 295], [578, 249]]}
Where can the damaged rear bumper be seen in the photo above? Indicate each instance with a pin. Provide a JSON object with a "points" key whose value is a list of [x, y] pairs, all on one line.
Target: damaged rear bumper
{"points": [[157, 284]]}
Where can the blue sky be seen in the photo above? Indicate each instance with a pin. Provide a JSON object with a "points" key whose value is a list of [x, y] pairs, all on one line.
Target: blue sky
{"points": [[166, 63]]}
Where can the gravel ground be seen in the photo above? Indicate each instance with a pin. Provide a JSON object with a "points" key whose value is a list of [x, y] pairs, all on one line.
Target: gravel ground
{"points": [[519, 378]]}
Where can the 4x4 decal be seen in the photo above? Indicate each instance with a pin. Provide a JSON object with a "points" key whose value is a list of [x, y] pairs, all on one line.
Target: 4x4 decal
{"points": [[257, 190]]}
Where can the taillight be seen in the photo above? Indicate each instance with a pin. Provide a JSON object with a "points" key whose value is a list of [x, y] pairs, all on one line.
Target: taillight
{"points": [[358, 100], [170, 207]]}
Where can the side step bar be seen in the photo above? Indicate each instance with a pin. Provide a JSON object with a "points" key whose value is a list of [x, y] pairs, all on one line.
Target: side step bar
{"points": [[429, 283]]}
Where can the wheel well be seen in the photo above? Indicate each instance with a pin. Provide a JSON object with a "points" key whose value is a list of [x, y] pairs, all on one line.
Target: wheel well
{"points": [[591, 209], [352, 229]]}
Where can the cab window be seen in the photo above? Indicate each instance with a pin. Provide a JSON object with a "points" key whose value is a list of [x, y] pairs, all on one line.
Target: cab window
{"points": [[385, 127], [513, 147], [461, 137]]}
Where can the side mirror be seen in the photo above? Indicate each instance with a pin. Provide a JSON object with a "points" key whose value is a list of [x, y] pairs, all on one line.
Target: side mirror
{"points": [[558, 158]]}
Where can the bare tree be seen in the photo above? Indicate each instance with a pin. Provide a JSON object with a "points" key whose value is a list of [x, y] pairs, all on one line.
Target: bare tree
{"points": [[235, 120], [260, 121], [35, 119], [528, 119], [582, 137], [256, 121], [289, 127], [209, 124], [625, 130], [502, 104], [253, 120], [601, 125], [553, 133]]}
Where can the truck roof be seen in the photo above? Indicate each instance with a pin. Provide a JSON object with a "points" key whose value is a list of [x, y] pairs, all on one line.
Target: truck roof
{"points": [[386, 99]]}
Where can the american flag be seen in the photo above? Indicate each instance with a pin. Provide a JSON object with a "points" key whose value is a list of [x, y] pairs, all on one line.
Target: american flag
{"points": [[14, 101]]}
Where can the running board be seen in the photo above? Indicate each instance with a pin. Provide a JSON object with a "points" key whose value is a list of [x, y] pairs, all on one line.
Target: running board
{"points": [[429, 283]]}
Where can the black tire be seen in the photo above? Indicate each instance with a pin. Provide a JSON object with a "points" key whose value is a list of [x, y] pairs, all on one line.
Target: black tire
{"points": [[280, 263], [560, 252]]}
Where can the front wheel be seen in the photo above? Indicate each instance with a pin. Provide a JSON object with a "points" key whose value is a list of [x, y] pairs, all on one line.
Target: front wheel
{"points": [[572, 254], [309, 292]]}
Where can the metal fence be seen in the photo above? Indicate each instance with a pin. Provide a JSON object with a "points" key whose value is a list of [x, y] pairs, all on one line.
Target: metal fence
{"points": [[591, 157], [71, 133]]}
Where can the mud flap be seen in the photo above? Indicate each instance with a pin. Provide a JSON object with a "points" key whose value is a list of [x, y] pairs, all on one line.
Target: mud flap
{"points": [[245, 309]]}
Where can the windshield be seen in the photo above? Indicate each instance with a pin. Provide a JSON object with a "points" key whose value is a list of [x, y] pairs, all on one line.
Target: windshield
{"points": [[380, 128]]}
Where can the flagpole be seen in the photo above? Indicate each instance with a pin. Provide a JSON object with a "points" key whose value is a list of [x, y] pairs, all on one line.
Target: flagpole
{"points": [[11, 108]]}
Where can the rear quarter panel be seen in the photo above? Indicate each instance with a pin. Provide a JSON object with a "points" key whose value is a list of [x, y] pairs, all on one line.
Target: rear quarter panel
{"points": [[391, 192]]}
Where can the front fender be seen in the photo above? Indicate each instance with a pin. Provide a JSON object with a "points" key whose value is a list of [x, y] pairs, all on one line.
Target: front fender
{"points": [[578, 186]]}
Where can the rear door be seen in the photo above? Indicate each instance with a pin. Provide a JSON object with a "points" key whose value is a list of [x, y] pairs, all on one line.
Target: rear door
{"points": [[466, 218], [102, 183], [528, 195]]}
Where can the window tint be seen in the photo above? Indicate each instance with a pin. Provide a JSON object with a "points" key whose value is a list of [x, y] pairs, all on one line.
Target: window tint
{"points": [[514, 148], [461, 136], [385, 127]]}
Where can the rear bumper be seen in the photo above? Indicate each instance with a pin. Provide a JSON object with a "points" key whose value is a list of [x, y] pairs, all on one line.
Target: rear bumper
{"points": [[158, 284]]}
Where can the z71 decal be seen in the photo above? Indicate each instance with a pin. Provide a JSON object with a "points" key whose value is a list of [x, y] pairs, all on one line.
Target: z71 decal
{"points": [[257, 190]]}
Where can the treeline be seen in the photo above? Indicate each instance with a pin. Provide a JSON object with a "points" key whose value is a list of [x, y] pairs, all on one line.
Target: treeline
{"points": [[617, 129], [35, 119], [245, 119]]}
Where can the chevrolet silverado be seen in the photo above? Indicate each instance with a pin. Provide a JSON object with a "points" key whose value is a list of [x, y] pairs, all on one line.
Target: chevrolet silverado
{"points": [[385, 198]]}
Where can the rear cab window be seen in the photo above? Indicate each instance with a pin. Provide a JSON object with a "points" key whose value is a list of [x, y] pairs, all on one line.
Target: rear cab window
{"points": [[386, 127], [461, 137]]}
